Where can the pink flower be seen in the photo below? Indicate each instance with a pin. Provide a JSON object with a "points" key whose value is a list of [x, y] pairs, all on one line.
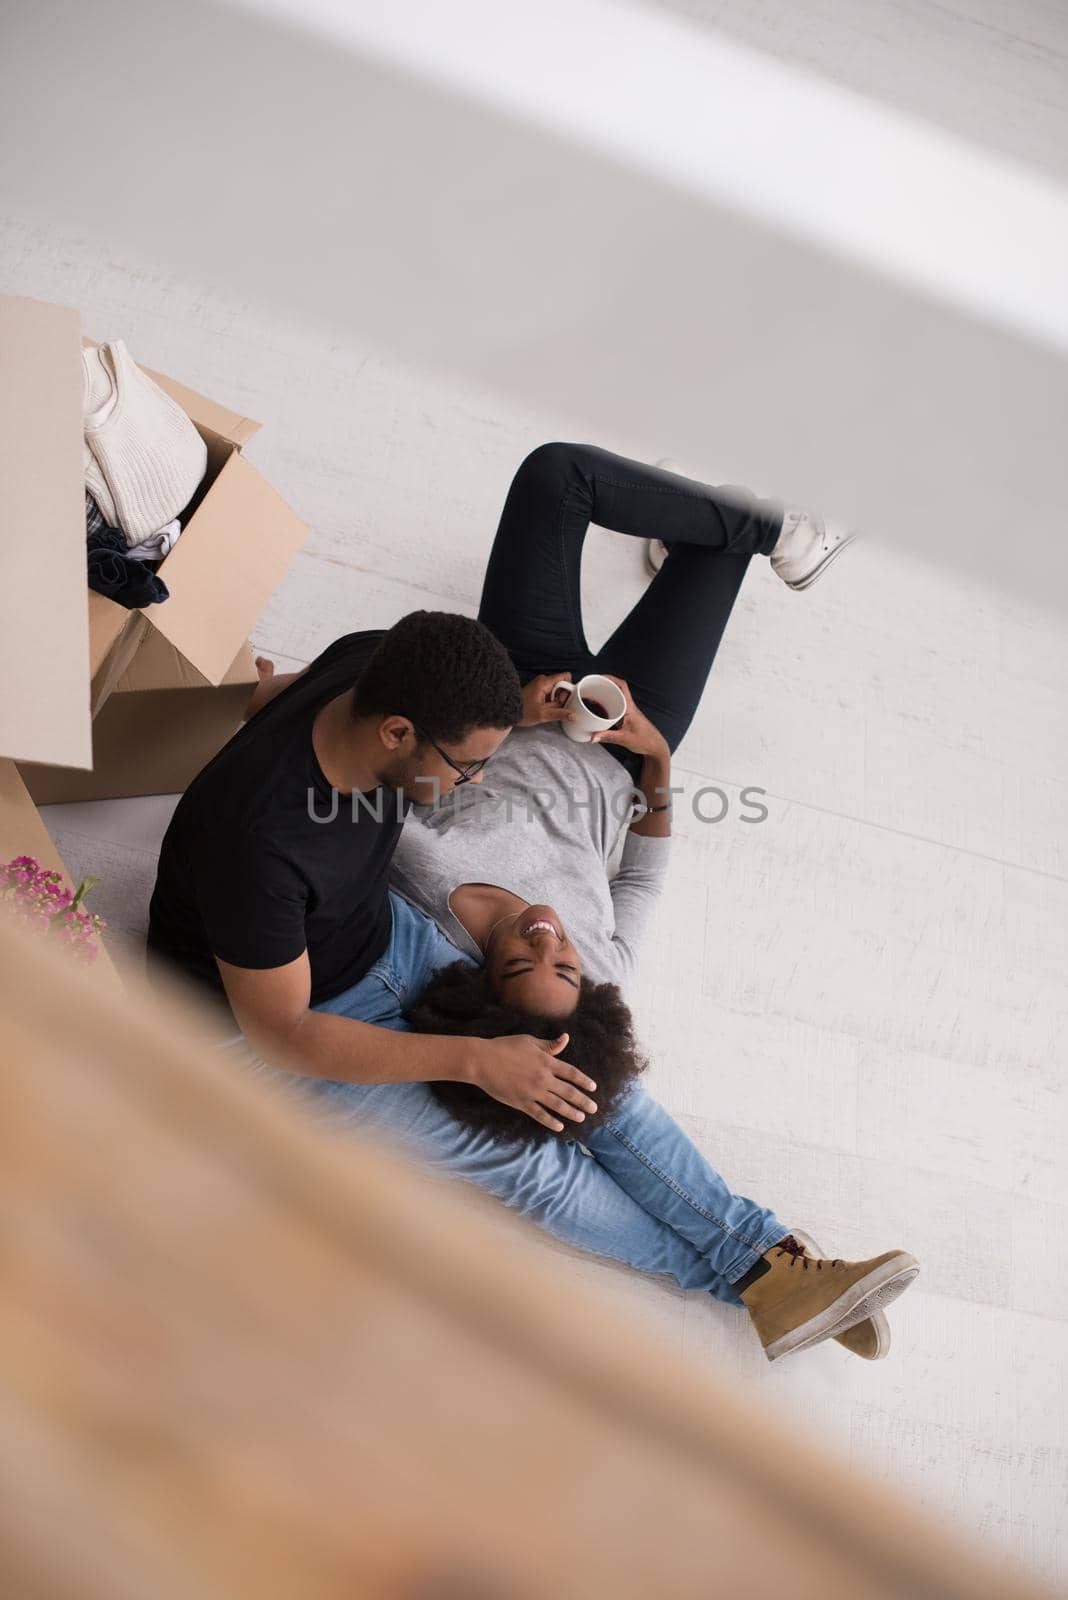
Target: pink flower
{"points": [[40, 900]]}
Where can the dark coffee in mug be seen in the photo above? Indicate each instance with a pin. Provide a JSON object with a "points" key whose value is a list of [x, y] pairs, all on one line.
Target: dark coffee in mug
{"points": [[598, 703]]}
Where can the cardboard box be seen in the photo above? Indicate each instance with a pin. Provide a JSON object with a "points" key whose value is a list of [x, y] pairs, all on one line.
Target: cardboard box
{"points": [[163, 722], [66, 652], [44, 619], [22, 833], [66, 646]]}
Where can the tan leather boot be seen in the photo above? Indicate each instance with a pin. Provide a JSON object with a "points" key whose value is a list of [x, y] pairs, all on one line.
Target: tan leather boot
{"points": [[800, 1300], [870, 1339]]}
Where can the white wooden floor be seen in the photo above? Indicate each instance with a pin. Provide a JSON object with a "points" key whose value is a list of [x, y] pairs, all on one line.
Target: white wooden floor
{"points": [[857, 1007]]}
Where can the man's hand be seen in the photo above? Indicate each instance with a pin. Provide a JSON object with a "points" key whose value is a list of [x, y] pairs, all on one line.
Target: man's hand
{"points": [[523, 1072], [538, 703], [635, 732], [270, 684]]}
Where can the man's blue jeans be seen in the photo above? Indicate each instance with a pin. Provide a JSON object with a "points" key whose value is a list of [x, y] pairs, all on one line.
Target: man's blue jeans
{"points": [[643, 1195]]}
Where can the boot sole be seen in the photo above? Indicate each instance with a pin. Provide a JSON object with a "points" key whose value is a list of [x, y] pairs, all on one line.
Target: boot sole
{"points": [[878, 1320], [817, 572], [865, 1297]]}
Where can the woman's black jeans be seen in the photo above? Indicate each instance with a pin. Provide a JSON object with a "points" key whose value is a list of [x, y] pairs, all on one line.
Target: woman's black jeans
{"points": [[665, 647]]}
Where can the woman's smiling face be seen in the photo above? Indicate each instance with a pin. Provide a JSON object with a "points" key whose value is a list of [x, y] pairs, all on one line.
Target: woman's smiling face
{"points": [[532, 963]]}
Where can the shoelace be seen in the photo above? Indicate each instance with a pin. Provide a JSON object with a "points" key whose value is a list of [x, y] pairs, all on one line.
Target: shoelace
{"points": [[797, 1252]]}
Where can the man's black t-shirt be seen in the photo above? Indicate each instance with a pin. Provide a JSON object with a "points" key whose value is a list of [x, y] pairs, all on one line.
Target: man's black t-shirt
{"points": [[246, 873]]}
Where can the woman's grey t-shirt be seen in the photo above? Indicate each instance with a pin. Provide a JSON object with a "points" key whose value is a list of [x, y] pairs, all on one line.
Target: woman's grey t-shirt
{"points": [[544, 823]]}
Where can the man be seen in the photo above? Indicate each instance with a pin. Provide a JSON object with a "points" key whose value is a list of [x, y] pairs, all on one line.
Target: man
{"points": [[272, 887]]}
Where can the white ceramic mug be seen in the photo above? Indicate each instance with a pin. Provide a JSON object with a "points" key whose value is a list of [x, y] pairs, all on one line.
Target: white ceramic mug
{"points": [[603, 692]]}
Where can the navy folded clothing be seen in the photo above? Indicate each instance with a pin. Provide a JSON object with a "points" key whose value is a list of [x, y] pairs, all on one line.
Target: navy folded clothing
{"points": [[115, 574], [105, 538]]}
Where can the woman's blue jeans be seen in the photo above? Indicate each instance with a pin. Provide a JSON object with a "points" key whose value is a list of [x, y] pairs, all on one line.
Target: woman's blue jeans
{"points": [[643, 1194]]}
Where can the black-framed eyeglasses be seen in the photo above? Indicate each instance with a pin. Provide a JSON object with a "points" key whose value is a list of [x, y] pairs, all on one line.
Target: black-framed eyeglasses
{"points": [[464, 774]]}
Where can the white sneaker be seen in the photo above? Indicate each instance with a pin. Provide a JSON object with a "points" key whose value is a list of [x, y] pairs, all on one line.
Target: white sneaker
{"points": [[806, 547], [656, 551]]}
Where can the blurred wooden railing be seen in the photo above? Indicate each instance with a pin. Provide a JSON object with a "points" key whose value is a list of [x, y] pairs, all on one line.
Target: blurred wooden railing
{"points": [[243, 1356]]}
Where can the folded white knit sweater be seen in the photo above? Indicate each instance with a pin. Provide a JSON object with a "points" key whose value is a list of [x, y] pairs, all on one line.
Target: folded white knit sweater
{"points": [[143, 457]]}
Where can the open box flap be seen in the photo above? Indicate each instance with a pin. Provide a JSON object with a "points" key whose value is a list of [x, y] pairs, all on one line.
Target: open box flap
{"points": [[107, 623], [114, 636], [158, 665], [225, 567], [22, 833], [44, 628]]}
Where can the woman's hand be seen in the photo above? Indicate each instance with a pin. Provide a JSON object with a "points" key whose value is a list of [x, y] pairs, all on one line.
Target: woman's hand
{"points": [[635, 732], [523, 1072], [538, 702]]}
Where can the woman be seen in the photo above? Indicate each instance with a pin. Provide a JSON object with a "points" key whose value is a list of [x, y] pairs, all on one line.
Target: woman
{"points": [[550, 814]]}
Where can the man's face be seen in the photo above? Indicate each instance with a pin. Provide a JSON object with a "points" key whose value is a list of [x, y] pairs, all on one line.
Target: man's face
{"points": [[423, 773]]}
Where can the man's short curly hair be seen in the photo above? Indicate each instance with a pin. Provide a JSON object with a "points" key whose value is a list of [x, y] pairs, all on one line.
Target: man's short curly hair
{"points": [[601, 1044], [447, 673]]}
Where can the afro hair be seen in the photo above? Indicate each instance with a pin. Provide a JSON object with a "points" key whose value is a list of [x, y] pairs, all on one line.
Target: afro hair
{"points": [[601, 1043], [447, 674]]}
